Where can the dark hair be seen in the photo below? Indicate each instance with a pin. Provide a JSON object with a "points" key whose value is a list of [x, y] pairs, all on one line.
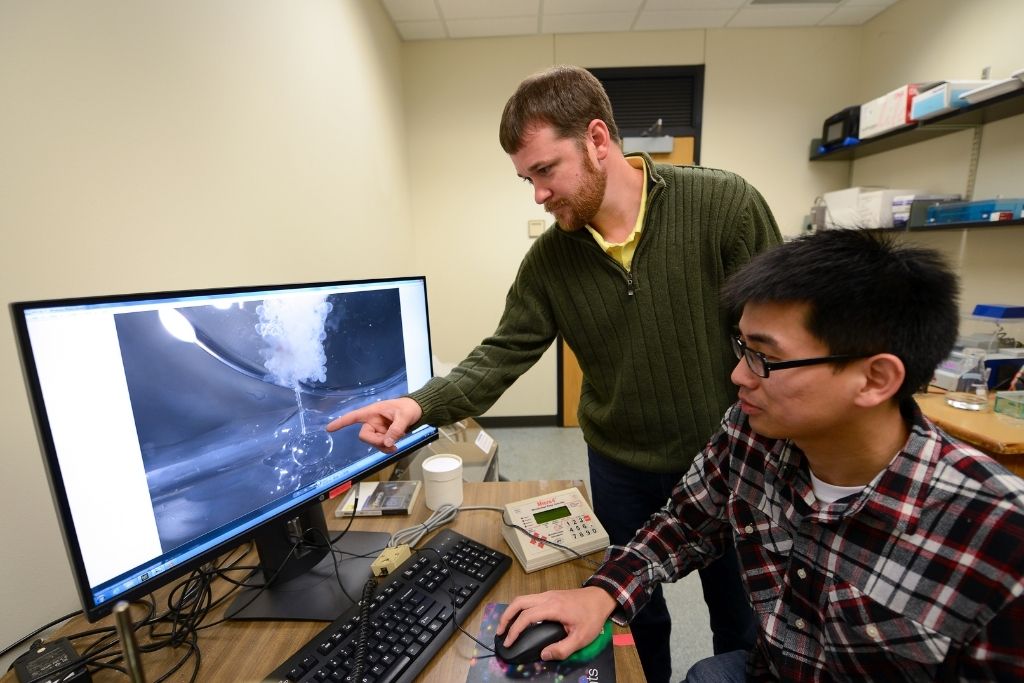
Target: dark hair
{"points": [[867, 293], [566, 98]]}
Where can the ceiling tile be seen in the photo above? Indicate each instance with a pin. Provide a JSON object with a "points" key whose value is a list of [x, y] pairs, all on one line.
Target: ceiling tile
{"points": [[488, 9], [420, 19], [587, 23], [756, 17], [877, 3], [851, 16], [411, 10], [421, 30], [481, 28], [665, 5], [683, 19], [590, 6]]}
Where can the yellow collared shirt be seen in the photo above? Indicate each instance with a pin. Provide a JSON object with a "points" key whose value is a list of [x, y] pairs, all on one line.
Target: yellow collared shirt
{"points": [[623, 251]]}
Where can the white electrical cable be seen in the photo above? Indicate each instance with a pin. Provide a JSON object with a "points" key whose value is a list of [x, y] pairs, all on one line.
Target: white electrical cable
{"points": [[443, 515]]}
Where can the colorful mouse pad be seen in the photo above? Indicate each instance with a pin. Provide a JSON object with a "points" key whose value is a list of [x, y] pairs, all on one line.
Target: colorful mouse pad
{"points": [[593, 664]]}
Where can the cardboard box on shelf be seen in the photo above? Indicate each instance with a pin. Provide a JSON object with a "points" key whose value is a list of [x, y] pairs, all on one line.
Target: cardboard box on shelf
{"points": [[888, 112], [466, 439]]}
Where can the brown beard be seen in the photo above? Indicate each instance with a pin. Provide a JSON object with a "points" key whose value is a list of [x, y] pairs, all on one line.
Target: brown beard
{"points": [[586, 202]]}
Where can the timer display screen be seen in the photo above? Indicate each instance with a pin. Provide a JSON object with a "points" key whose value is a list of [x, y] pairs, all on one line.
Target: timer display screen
{"points": [[551, 515]]}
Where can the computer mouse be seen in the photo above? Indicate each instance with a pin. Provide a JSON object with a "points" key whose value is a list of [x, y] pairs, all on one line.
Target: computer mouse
{"points": [[530, 642]]}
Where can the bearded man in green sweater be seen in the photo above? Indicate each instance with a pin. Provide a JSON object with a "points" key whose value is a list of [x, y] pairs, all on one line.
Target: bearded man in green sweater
{"points": [[629, 276]]}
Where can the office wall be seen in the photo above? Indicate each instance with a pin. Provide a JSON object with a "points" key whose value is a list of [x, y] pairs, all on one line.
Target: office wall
{"points": [[152, 145], [471, 210], [921, 40]]}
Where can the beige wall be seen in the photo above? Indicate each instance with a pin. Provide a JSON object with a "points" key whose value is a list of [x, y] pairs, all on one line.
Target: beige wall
{"points": [[154, 145]]}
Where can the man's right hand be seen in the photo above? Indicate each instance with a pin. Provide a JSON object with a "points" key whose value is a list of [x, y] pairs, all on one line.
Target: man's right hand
{"points": [[384, 422]]}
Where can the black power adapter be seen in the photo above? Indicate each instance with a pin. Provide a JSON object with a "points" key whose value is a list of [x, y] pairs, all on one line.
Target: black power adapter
{"points": [[55, 662]]}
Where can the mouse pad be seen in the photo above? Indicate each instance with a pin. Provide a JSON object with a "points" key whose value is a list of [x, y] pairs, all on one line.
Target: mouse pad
{"points": [[593, 664]]}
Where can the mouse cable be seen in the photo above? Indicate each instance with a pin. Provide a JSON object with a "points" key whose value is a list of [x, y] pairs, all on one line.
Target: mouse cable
{"points": [[445, 515], [451, 598]]}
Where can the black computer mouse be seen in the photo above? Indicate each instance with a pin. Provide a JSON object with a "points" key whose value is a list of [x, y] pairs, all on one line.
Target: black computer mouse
{"points": [[530, 642]]}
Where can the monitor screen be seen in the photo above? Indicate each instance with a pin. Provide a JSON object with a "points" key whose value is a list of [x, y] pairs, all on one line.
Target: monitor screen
{"points": [[176, 425]]}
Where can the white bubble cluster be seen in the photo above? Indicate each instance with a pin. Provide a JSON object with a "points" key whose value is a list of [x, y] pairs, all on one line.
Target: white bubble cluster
{"points": [[293, 328]]}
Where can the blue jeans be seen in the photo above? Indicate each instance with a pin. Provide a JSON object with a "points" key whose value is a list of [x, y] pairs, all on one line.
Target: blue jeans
{"points": [[728, 668], [624, 499]]}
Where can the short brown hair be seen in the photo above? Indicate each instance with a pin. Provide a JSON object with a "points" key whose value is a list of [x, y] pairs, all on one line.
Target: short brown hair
{"points": [[564, 97]]}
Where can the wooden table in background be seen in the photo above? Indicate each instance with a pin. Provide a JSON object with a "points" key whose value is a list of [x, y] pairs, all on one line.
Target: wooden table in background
{"points": [[1001, 436], [244, 651]]}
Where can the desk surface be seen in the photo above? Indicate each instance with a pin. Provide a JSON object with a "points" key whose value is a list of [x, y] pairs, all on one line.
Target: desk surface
{"points": [[249, 650], [994, 432], [1001, 436]]}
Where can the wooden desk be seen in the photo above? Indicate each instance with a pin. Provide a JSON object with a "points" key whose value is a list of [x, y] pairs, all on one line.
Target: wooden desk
{"points": [[1001, 436], [243, 651]]}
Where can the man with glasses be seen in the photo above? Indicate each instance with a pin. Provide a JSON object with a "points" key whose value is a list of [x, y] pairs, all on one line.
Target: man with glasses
{"points": [[873, 546]]}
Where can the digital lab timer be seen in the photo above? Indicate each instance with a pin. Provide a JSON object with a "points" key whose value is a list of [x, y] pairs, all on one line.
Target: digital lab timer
{"points": [[563, 517]]}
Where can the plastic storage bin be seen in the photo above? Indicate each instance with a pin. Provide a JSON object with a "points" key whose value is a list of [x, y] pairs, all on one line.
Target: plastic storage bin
{"points": [[1010, 403]]}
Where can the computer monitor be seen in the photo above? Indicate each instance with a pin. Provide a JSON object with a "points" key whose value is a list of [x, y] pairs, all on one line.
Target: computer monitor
{"points": [[176, 425]]}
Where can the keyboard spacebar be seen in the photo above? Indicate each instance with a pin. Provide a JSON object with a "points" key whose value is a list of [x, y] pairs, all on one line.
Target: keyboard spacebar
{"points": [[395, 671]]}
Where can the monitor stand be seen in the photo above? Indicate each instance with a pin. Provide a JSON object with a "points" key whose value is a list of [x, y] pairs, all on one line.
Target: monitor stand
{"points": [[313, 594]]}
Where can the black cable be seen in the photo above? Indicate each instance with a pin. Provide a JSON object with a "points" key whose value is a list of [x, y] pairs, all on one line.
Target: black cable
{"points": [[547, 541], [334, 557], [39, 630], [291, 552], [451, 597], [355, 506], [188, 604], [365, 603]]}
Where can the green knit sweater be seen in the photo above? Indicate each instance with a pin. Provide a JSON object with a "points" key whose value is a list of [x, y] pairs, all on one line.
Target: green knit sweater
{"points": [[652, 342]]}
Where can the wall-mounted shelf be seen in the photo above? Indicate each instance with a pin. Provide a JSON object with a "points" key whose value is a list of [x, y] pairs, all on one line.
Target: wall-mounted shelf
{"points": [[980, 225], [1004, 106]]}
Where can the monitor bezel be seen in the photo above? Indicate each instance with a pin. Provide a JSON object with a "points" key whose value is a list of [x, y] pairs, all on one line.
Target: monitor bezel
{"points": [[54, 475]]}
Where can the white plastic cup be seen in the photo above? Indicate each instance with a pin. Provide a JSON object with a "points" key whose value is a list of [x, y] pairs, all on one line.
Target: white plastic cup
{"points": [[442, 480]]}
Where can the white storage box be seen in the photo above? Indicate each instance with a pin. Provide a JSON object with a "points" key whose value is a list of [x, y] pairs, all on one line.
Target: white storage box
{"points": [[942, 98], [874, 208], [842, 207], [888, 112]]}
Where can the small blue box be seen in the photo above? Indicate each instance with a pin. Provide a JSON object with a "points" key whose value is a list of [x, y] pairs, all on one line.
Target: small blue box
{"points": [[942, 98], [1000, 311], [980, 211]]}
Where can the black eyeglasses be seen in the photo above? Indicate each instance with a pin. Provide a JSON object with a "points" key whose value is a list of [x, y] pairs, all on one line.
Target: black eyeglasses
{"points": [[762, 367]]}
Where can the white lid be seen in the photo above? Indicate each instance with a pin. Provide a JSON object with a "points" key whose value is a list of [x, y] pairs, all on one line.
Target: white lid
{"points": [[442, 466]]}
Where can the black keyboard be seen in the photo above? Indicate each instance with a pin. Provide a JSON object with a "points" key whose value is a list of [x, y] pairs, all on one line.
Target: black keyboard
{"points": [[410, 617]]}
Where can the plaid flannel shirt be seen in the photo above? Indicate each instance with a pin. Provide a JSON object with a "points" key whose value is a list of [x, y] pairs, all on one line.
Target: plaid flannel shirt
{"points": [[919, 577]]}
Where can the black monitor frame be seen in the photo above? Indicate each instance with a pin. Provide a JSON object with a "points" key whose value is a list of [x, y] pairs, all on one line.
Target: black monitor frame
{"points": [[304, 508]]}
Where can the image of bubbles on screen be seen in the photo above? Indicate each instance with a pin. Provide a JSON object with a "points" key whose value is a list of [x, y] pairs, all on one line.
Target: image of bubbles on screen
{"points": [[231, 402]]}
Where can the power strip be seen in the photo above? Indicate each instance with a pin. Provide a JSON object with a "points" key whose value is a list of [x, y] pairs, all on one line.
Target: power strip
{"points": [[390, 560], [55, 662]]}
